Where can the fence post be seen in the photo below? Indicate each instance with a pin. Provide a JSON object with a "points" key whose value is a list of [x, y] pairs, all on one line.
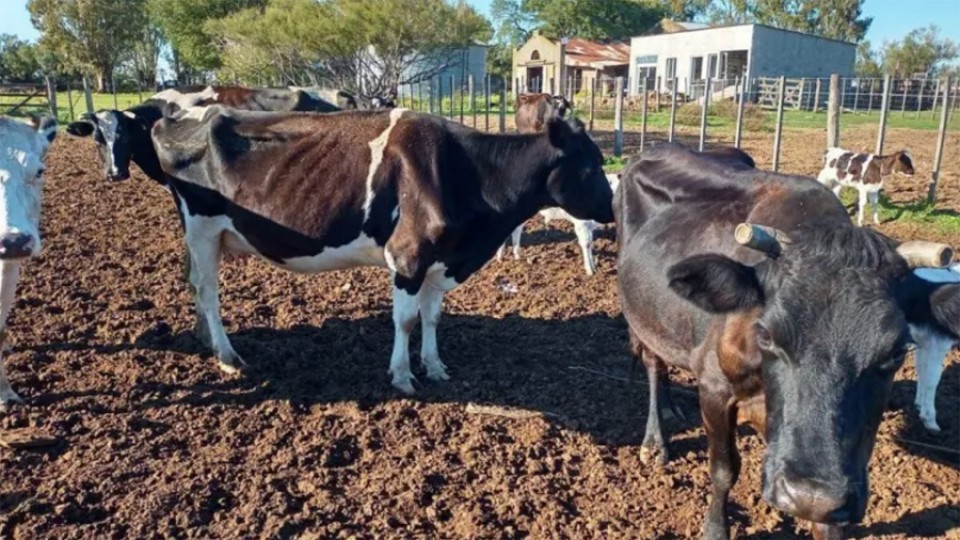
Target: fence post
{"points": [[452, 100], [643, 117], [87, 95], [593, 101], [856, 96], [903, 99], [843, 95], [779, 132], [420, 96], [833, 112], [486, 102], [113, 87], [70, 101], [704, 112], [52, 96], [936, 97], [884, 110], [801, 106], [503, 107], [673, 109], [473, 99], [742, 89], [941, 137], [618, 119], [816, 96], [657, 90], [920, 97], [461, 102]]}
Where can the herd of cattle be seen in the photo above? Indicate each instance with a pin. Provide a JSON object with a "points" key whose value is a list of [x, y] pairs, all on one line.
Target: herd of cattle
{"points": [[756, 282]]}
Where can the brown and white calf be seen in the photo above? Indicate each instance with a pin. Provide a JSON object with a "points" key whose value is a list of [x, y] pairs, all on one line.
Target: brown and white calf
{"points": [[22, 149], [535, 110], [429, 199], [863, 172]]}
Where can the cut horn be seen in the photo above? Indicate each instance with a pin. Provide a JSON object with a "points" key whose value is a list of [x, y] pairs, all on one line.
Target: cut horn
{"points": [[761, 238], [922, 254]]}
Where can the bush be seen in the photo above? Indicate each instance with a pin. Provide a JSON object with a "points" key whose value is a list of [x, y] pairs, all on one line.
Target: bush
{"points": [[754, 118]]}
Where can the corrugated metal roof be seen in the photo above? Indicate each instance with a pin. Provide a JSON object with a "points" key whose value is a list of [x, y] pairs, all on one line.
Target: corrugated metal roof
{"points": [[583, 52]]}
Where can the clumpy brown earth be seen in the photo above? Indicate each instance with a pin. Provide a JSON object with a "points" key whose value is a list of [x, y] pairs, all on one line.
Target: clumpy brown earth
{"points": [[536, 436]]}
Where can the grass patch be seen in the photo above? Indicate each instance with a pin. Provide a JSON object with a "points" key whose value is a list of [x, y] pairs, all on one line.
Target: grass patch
{"points": [[946, 222], [614, 164]]}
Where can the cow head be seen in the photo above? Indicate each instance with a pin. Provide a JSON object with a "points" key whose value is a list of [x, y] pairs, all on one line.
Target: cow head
{"points": [[829, 334], [112, 131], [577, 182], [899, 162], [22, 149], [560, 106]]}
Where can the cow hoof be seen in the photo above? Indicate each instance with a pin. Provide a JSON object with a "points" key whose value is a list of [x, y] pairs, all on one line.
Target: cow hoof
{"points": [[931, 425], [656, 455], [436, 369], [231, 364], [404, 384], [714, 531]]}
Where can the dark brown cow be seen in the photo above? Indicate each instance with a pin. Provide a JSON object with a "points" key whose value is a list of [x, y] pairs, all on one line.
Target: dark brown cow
{"points": [[123, 136], [863, 172], [799, 323], [429, 199], [535, 110]]}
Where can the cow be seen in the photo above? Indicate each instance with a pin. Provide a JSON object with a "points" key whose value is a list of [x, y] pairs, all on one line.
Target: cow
{"points": [[122, 136], [23, 148], [933, 343], [347, 101], [429, 199], [583, 229], [535, 110], [863, 172], [784, 311]]}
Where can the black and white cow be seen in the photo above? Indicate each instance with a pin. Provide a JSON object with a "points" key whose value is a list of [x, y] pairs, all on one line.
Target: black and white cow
{"points": [[429, 199], [22, 150], [124, 136]]}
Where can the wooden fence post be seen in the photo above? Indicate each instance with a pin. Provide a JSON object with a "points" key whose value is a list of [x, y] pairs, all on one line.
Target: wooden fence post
{"points": [[673, 109], [461, 102], [503, 107], [803, 87], [452, 100], [643, 117], [52, 96], [704, 112], [884, 110], [936, 97], [903, 99], [657, 90], [87, 95], [941, 137], [473, 99], [778, 134], [70, 101], [113, 87], [486, 102], [833, 112], [618, 119], [741, 103], [856, 96], [593, 102], [816, 96]]}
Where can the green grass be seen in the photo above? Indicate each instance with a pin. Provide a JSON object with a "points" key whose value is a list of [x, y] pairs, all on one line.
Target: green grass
{"points": [[923, 213], [100, 101], [613, 164]]}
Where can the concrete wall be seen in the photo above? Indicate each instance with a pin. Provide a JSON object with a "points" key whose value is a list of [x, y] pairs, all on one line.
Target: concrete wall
{"points": [[549, 60], [791, 54]]}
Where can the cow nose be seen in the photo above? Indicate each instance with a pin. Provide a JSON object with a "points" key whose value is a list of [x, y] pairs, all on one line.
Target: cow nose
{"points": [[812, 500], [16, 245]]}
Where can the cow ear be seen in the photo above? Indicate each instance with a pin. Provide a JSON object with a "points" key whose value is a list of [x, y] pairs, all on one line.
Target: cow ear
{"points": [[945, 308], [80, 128], [716, 283]]}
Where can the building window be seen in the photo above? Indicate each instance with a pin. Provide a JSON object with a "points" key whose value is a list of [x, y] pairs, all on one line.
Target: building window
{"points": [[535, 55], [671, 68], [647, 60]]}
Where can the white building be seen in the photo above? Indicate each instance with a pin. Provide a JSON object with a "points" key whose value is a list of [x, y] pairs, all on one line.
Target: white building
{"points": [[692, 53]]}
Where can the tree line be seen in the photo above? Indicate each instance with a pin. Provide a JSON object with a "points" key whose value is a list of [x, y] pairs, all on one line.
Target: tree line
{"points": [[373, 46]]}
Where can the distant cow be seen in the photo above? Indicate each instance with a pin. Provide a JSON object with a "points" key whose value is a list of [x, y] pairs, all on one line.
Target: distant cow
{"points": [[347, 101], [123, 136], [933, 341], [864, 172], [429, 199], [535, 110], [793, 317], [22, 150]]}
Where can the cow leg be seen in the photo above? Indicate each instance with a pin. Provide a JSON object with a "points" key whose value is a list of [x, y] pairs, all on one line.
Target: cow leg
{"points": [[9, 277], [431, 300], [719, 421], [201, 330], [205, 277], [515, 236], [862, 204], [585, 240], [874, 197], [405, 307], [929, 357]]}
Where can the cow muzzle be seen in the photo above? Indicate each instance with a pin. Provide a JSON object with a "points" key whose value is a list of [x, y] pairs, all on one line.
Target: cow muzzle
{"points": [[814, 501], [16, 245]]}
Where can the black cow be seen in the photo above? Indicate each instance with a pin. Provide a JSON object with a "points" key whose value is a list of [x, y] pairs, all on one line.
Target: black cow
{"points": [[799, 323], [429, 199], [123, 136]]}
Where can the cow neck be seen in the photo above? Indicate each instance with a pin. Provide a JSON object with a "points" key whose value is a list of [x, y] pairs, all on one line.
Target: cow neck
{"points": [[513, 170], [142, 150]]}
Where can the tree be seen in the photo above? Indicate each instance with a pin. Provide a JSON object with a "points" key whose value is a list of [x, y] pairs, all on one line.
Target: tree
{"points": [[594, 19], [19, 60], [868, 65], [836, 19], [88, 35], [183, 22], [922, 50]]}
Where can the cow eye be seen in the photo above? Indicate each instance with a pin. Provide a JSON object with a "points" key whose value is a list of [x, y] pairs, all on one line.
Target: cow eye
{"points": [[764, 339]]}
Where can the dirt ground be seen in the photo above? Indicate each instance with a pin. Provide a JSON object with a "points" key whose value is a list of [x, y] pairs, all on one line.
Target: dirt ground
{"points": [[536, 436]]}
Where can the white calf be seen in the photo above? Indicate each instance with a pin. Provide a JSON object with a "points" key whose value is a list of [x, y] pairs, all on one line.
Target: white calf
{"points": [[582, 228], [932, 349], [22, 149], [863, 172]]}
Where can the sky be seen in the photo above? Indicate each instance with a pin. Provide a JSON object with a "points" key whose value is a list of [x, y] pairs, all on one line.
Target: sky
{"points": [[892, 19]]}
